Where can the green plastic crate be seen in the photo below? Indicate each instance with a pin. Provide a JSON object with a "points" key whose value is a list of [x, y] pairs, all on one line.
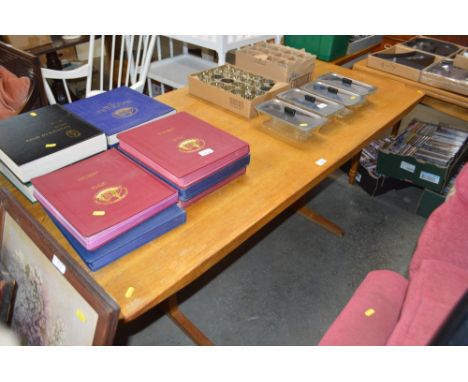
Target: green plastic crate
{"points": [[326, 48]]}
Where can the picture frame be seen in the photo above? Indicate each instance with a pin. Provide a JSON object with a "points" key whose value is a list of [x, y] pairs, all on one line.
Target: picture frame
{"points": [[56, 302]]}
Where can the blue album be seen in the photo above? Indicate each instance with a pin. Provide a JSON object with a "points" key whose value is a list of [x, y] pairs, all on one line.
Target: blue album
{"points": [[118, 110], [147, 231]]}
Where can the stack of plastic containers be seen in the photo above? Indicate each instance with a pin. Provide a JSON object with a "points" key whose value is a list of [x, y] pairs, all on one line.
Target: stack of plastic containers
{"points": [[297, 113]]}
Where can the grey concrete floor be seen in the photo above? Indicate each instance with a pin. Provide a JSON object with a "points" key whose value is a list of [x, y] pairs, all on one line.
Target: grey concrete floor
{"points": [[286, 285]]}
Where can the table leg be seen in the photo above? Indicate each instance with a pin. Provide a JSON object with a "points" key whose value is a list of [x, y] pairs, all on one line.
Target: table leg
{"points": [[320, 220], [354, 167], [395, 129], [185, 324]]}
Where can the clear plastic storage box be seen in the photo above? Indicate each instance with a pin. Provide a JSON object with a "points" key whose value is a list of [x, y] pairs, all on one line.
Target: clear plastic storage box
{"points": [[347, 83], [289, 121], [345, 97], [313, 103]]}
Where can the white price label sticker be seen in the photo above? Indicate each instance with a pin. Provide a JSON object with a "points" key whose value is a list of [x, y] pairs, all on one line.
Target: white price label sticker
{"points": [[407, 166], [321, 105], [59, 265], [205, 152], [429, 177], [320, 162]]}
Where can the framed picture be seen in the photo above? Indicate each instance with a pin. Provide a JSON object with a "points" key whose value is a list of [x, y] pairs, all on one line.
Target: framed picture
{"points": [[56, 302]]}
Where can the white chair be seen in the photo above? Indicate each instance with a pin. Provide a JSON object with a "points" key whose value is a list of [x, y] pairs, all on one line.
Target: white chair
{"points": [[174, 70], [137, 51]]}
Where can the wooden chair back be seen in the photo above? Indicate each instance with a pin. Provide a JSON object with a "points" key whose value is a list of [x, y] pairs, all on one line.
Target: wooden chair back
{"points": [[25, 64]]}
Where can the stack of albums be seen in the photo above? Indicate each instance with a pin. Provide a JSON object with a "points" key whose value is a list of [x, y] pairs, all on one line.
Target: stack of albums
{"points": [[107, 206], [187, 153], [436, 144]]}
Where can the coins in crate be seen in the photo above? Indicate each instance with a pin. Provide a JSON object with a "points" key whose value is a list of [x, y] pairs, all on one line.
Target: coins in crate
{"points": [[237, 81]]}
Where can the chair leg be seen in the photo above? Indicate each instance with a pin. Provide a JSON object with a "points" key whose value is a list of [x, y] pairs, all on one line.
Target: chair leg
{"points": [[150, 88], [187, 326]]}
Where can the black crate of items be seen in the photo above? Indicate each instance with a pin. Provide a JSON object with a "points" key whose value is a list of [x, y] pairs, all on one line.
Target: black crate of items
{"points": [[377, 185], [367, 177]]}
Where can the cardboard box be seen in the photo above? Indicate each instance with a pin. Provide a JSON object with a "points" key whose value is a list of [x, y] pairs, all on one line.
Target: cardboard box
{"points": [[461, 59], [230, 101], [390, 165], [278, 62], [393, 67], [429, 201], [428, 114], [68, 54], [456, 85], [417, 172], [373, 185], [407, 44], [27, 42]]}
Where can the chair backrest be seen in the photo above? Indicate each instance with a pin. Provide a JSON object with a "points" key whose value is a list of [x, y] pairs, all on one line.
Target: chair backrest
{"points": [[128, 62], [122, 60], [25, 64]]}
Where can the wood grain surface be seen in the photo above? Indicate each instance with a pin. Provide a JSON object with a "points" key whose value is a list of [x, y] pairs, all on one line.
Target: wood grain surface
{"points": [[279, 174]]}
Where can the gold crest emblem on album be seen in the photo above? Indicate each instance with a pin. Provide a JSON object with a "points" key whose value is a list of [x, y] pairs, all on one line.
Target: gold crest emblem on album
{"points": [[191, 145], [72, 133], [125, 112], [111, 195]]}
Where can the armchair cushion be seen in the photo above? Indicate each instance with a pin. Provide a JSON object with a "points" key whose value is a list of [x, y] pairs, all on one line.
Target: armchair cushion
{"points": [[434, 290], [14, 92], [371, 314], [444, 236]]}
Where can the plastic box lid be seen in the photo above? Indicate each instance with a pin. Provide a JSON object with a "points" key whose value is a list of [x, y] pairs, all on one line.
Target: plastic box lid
{"points": [[433, 46], [313, 103], [333, 93], [347, 83], [446, 68], [290, 120]]}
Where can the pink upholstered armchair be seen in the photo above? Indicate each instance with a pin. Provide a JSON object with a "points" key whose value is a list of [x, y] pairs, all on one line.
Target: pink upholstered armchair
{"points": [[388, 309]]}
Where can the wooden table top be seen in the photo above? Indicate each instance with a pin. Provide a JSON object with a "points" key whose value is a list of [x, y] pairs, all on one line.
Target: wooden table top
{"points": [[455, 104], [279, 174]]}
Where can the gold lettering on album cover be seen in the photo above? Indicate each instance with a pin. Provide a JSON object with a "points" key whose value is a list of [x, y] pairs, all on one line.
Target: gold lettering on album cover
{"points": [[165, 131], [114, 105], [88, 176], [98, 186], [57, 127]]}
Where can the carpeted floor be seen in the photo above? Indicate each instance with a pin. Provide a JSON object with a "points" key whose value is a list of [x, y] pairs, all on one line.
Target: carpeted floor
{"points": [[287, 284]]}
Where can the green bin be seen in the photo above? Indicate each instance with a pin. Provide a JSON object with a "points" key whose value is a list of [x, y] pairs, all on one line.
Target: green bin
{"points": [[327, 48]]}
